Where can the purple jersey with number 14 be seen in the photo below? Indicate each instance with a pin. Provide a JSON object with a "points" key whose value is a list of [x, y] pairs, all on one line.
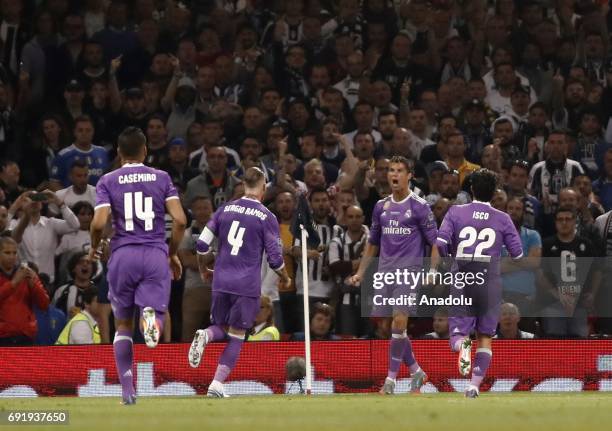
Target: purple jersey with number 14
{"points": [[245, 229], [137, 195], [138, 271]]}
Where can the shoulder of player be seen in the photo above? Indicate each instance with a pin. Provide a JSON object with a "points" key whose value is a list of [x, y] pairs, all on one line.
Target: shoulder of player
{"points": [[68, 150], [415, 197]]}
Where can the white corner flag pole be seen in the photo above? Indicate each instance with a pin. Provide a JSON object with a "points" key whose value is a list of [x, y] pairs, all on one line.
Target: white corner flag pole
{"points": [[306, 310]]}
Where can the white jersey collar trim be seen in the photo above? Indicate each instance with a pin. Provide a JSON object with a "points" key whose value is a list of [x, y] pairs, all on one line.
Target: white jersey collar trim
{"points": [[481, 202], [403, 200]]}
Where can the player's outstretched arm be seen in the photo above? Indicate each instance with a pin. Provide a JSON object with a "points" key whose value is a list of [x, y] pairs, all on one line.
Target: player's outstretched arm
{"points": [[370, 252], [179, 222]]}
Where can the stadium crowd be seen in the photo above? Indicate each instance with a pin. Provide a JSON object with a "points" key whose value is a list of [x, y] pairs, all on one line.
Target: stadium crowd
{"points": [[319, 94]]}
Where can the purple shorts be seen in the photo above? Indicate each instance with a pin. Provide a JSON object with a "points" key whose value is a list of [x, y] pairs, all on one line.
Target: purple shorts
{"points": [[482, 316], [236, 311], [138, 276]]}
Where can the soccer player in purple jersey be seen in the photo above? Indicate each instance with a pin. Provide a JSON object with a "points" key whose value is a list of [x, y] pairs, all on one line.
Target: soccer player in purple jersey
{"points": [[474, 234], [139, 268], [244, 229], [402, 227]]}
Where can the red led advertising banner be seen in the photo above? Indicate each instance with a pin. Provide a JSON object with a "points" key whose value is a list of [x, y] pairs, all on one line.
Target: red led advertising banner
{"points": [[339, 367]]}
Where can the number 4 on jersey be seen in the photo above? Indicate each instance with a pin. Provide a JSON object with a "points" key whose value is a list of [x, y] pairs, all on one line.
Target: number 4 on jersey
{"points": [[144, 210], [234, 237]]}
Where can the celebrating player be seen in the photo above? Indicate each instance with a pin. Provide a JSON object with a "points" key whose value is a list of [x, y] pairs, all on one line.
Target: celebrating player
{"points": [[474, 234], [245, 229], [402, 227], [138, 273]]}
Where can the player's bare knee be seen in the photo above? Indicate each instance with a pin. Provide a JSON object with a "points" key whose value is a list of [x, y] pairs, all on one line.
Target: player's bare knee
{"points": [[124, 324], [400, 321]]}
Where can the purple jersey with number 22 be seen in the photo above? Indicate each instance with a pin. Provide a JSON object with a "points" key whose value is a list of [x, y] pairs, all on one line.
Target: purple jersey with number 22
{"points": [[138, 272], [474, 235]]}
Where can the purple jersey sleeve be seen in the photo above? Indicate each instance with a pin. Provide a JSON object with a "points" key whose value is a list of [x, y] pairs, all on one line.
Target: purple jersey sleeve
{"points": [[208, 233], [512, 240], [171, 192], [272, 243], [427, 224], [102, 194], [445, 234], [375, 229]]}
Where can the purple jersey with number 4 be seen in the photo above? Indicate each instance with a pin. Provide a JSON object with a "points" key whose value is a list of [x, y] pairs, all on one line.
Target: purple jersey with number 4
{"points": [[245, 229], [477, 232], [137, 195]]}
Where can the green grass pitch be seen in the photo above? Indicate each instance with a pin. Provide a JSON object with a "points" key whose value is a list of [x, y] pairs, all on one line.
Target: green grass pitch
{"points": [[511, 411]]}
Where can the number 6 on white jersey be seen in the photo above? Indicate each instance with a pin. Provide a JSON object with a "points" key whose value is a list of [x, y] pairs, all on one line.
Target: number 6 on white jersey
{"points": [[234, 237]]}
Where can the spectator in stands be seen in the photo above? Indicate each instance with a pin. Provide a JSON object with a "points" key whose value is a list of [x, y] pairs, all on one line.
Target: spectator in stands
{"points": [[4, 221], [549, 176], [569, 198], [509, 319], [320, 283], [9, 181], [588, 204], [37, 235], [82, 149], [321, 324], [602, 187], [83, 326], [264, 329], [79, 190], [78, 240], [177, 164], [565, 312], [456, 148], [197, 292], [516, 186], [345, 253], [440, 326], [20, 291], [500, 200], [216, 182], [519, 276], [69, 297]]}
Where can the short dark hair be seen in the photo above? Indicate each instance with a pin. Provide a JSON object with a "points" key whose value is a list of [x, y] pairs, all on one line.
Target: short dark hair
{"points": [[484, 183], [322, 308], [131, 141], [386, 113], [4, 240], [83, 119], [403, 160], [77, 207], [521, 164], [565, 210], [316, 190], [74, 261], [253, 177], [89, 294], [79, 163]]}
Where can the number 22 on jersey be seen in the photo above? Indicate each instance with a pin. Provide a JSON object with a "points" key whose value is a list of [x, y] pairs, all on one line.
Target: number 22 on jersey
{"points": [[470, 235], [136, 204]]}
